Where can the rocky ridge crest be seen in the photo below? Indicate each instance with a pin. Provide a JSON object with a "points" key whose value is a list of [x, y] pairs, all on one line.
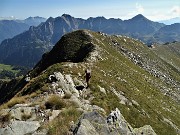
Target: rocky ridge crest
{"points": [[115, 102]]}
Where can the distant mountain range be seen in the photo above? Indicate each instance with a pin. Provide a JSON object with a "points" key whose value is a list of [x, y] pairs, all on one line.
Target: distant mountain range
{"points": [[171, 21], [27, 48], [168, 33], [34, 21], [11, 27]]}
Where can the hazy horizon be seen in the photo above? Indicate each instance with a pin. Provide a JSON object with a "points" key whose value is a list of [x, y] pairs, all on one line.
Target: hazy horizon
{"points": [[155, 10], [14, 18]]}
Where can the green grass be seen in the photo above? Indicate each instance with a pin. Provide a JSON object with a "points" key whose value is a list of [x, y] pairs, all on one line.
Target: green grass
{"points": [[136, 87], [116, 71], [62, 124], [8, 72], [136, 84], [169, 53], [5, 67]]}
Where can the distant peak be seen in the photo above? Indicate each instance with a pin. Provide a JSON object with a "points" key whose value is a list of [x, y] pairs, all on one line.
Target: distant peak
{"points": [[66, 16], [139, 16], [35, 17], [101, 17], [98, 18], [50, 19]]}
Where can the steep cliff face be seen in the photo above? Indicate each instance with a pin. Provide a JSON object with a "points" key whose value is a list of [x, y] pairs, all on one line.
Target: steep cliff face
{"points": [[130, 87]]}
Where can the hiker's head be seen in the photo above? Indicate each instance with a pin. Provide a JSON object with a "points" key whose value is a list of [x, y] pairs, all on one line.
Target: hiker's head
{"points": [[88, 70]]}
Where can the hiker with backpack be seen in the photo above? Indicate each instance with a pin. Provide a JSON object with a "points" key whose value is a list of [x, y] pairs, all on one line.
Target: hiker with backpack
{"points": [[87, 76]]}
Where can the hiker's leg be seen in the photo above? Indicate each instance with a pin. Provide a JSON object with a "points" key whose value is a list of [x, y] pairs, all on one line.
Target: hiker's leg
{"points": [[87, 81]]}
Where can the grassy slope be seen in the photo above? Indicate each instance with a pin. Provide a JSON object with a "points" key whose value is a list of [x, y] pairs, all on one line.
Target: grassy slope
{"points": [[7, 68], [169, 53], [136, 83], [137, 88]]}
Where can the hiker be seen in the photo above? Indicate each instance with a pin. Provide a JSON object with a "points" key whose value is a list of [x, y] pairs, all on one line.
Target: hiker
{"points": [[52, 78], [27, 79], [87, 76]]}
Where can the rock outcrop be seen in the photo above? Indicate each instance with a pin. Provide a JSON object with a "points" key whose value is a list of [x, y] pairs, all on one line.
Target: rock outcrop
{"points": [[92, 123], [20, 128], [145, 130]]}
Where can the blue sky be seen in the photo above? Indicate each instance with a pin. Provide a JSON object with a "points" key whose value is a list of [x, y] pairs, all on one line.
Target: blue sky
{"points": [[124, 9]]}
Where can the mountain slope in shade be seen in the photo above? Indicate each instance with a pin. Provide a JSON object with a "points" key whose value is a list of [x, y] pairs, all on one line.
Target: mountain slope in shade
{"points": [[168, 33], [126, 74], [140, 25], [11, 28], [27, 48], [23, 49]]}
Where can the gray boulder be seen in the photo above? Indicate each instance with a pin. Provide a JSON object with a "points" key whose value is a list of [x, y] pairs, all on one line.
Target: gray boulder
{"points": [[145, 130], [18, 113], [20, 128], [92, 123], [86, 128], [118, 125]]}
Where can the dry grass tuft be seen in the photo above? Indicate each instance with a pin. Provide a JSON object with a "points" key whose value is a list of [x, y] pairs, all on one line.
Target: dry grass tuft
{"points": [[13, 101], [25, 117], [55, 102], [63, 121], [67, 96]]}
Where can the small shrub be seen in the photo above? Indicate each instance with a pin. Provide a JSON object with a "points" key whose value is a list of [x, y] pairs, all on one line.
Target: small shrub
{"points": [[55, 102], [22, 110], [49, 113], [25, 116], [3, 106], [15, 100], [38, 92], [45, 88], [5, 117], [32, 95], [67, 96], [72, 103], [42, 107]]}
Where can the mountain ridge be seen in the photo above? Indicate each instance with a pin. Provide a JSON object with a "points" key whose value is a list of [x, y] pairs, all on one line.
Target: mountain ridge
{"points": [[48, 33], [168, 33], [142, 88], [11, 28]]}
